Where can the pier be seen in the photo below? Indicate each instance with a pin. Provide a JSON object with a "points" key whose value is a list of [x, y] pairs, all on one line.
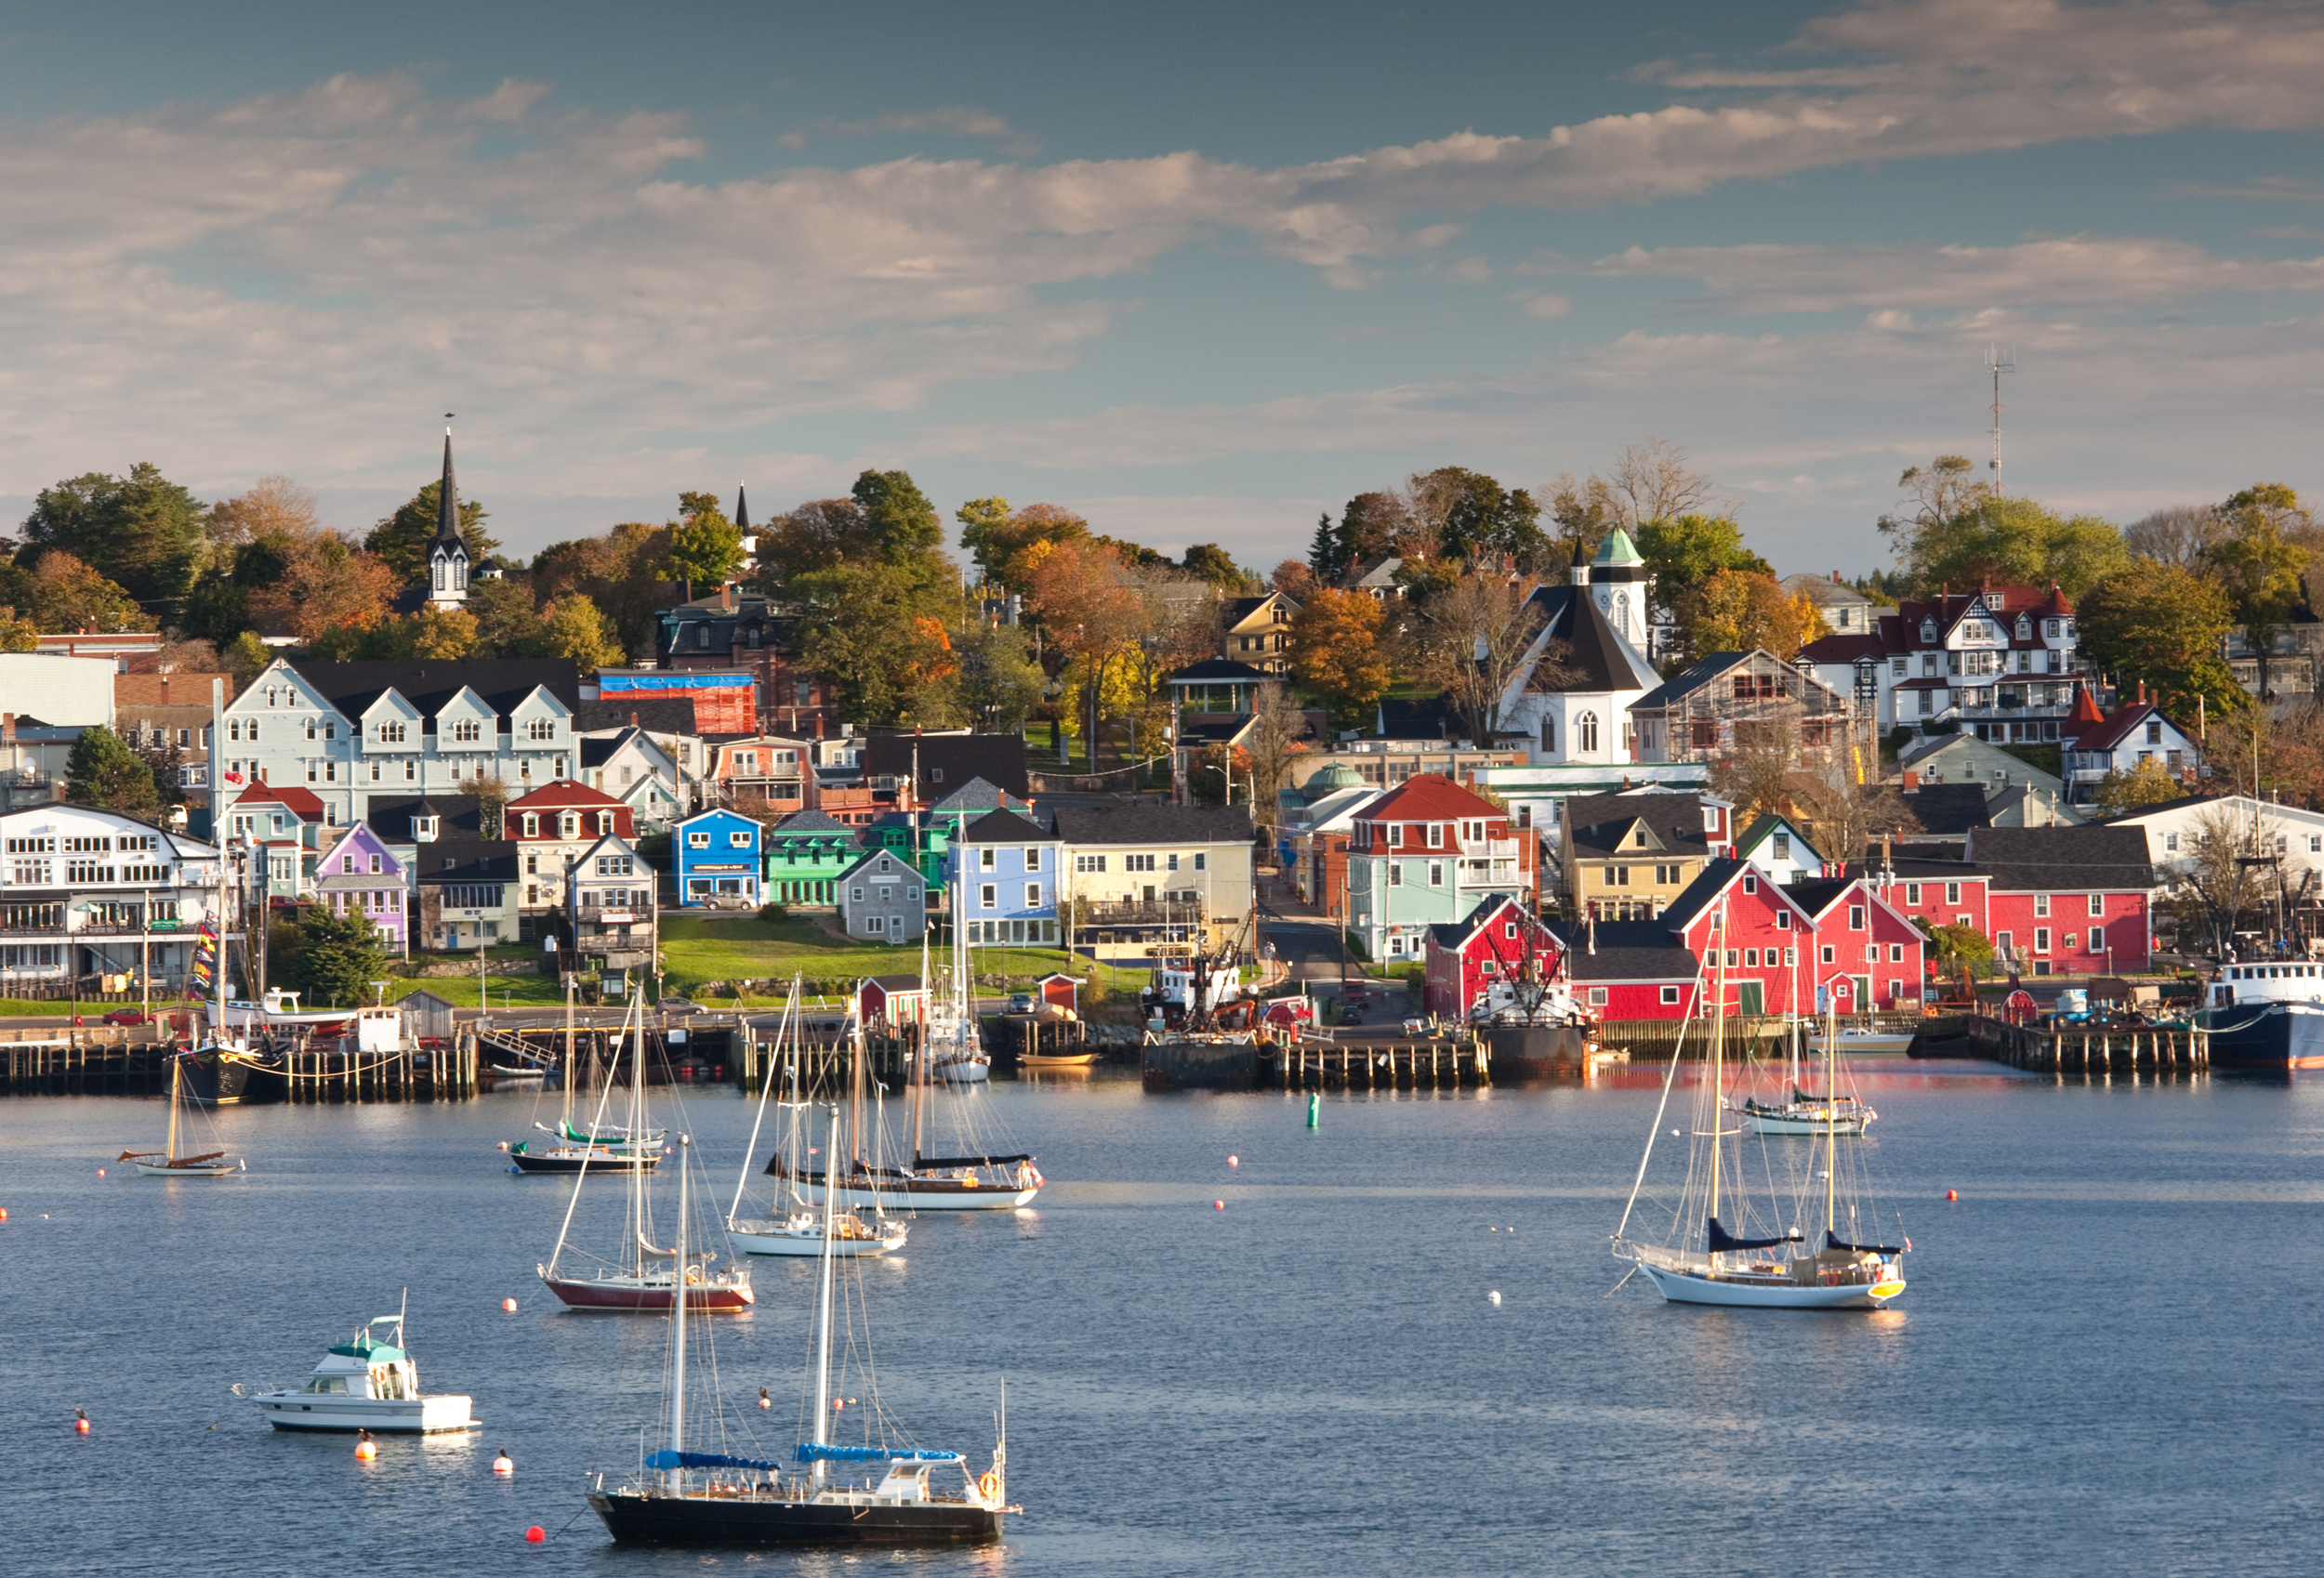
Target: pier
{"points": [[2072, 1049]]}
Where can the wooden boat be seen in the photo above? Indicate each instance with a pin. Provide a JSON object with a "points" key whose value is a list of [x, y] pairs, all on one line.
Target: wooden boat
{"points": [[683, 1497], [165, 1163]]}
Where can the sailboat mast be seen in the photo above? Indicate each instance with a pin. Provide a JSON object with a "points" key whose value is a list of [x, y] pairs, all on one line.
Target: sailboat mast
{"points": [[766, 1085], [678, 1313], [176, 1073], [855, 1087], [1832, 1121], [1718, 1039], [637, 1123], [823, 1338]]}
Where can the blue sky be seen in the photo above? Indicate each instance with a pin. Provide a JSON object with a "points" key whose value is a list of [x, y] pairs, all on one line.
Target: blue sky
{"points": [[1198, 271]]}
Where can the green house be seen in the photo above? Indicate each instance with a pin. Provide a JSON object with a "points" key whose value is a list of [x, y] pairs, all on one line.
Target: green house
{"points": [[805, 853]]}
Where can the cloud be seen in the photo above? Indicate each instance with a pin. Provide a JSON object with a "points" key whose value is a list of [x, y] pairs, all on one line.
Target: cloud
{"points": [[957, 120], [1541, 304], [2085, 270]]}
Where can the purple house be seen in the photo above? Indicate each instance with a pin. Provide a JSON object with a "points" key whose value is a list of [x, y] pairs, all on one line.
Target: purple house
{"points": [[358, 873]]}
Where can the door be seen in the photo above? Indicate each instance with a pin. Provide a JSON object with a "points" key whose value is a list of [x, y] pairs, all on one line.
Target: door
{"points": [[1864, 1003], [1750, 997]]}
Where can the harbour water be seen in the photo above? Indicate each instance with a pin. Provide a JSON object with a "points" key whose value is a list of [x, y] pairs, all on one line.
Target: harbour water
{"points": [[2107, 1363]]}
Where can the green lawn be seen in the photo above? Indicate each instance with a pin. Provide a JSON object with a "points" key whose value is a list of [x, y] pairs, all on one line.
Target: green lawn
{"points": [[699, 950]]}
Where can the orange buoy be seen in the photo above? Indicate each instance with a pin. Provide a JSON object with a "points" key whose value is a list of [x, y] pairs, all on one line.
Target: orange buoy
{"points": [[1234, 1160], [535, 1534], [764, 1400], [3, 1213], [509, 1304], [501, 1463], [101, 1172], [365, 1448], [1218, 1205], [1952, 1194], [80, 1421], [504, 1145]]}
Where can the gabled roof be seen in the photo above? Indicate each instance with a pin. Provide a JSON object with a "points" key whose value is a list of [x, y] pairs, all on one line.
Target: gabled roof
{"points": [[656, 716], [614, 841], [1004, 827], [1597, 658], [1458, 935], [2184, 801], [1429, 796], [1704, 892], [302, 803], [464, 860], [458, 816], [429, 684], [2027, 806], [1124, 822], [1222, 671], [1766, 826], [564, 794], [799, 824], [2106, 735], [2062, 859], [1625, 951], [1602, 823], [1843, 649], [1949, 810], [978, 795], [881, 853], [1239, 608]]}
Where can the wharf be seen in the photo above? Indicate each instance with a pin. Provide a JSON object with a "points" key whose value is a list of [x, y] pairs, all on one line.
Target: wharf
{"points": [[2085, 1047], [1315, 1064], [104, 1060]]}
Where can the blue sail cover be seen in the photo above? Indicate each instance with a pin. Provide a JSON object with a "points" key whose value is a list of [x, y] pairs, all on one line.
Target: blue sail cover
{"points": [[809, 1452], [1883, 1250], [1722, 1239], [708, 1460]]}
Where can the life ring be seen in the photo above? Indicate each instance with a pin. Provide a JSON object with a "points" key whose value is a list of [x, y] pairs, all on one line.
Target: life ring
{"points": [[989, 1485], [378, 1379]]}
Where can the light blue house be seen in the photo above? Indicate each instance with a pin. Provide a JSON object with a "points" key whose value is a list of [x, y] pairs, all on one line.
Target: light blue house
{"points": [[1003, 878], [716, 856]]}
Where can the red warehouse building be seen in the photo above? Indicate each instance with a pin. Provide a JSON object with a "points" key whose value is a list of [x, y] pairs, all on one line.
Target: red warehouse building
{"points": [[1493, 943], [1630, 970], [1860, 935], [2068, 900]]}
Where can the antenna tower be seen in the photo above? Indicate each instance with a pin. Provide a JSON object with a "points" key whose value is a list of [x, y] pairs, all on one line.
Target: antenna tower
{"points": [[1998, 360]]}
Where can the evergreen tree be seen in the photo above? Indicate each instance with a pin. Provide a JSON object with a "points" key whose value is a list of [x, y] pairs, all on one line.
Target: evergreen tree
{"points": [[338, 956], [102, 771], [403, 538], [142, 531], [1323, 554]]}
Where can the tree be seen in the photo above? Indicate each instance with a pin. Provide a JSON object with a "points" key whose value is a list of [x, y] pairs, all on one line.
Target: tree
{"points": [[2214, 871], [1371, 527], [1277, 736], [1735, 611], [338, 956], [142, 532], [998, 684], [442, 633], [1294, 580], [245, 658], [1843, 816], [2164, 624], [1682, 552], [1326, 559], [1335, 652], [704, 544], [1954, 945], [997, 538], [2015, 542], [1584, 511], [2259, 565], [275, 510], [574, 627], [1458, 513], [1208, 561], [2180, 534], [1653, 481], [876, 637], [330, 594], [401, 541], [1094, 609], [492, 797], [1471, 639], [2147, 783], [102, 771], [898, 520], [625, 572], [18, 635], [1934, 494], [507, 624], [1759, 775], [63, 592]]}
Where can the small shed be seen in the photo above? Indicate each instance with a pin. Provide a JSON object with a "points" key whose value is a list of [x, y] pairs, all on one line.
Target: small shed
{"points": [[427, 1016], [1060, 991], [893, 1001]]}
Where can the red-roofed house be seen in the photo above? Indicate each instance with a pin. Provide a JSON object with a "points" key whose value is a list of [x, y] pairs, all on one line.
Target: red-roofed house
{"points": [[1997, 662], [2136, 731], [556, 823], [1425, 854]]}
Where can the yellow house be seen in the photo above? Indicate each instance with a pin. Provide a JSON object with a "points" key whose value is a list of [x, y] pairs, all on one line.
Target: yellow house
{"points": [[1626, 857], [1259, 632]]}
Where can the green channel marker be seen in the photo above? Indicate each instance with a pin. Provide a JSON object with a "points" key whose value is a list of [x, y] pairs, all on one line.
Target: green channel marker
{"points": [[1314, 1107]]}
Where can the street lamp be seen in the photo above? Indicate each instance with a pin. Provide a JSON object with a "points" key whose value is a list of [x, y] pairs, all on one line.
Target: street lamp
{"points": [[1226, 773]]}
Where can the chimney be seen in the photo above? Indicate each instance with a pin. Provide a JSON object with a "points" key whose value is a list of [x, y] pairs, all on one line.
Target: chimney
{"points": [[726, 596], [633, 718], [1835, 577], [2142, 692]]}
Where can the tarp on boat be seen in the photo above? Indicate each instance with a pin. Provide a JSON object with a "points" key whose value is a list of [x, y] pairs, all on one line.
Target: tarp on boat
{"points": [[1722, 1239], [811, 1452], [667, 1459], [931, 1161]]}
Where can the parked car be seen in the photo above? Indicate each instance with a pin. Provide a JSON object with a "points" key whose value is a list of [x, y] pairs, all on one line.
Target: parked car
{"points": [[680, 1005], [127, 1017], [1021, 1002]]}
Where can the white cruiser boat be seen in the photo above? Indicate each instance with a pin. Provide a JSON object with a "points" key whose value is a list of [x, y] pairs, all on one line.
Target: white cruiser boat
{"points": [[1863, 1043], [370, 1384], [2266, 1016], [801, 1233]]}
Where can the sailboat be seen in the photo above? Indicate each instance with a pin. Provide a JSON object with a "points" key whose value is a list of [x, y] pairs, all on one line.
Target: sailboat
{"points": [[1778, 1269], [680, 1497], [982, 1182], [1833, 1112], [223, 1069], [954, 1045], [795, 1229], [575, 1146], [646, 1277], [166, 1162]]}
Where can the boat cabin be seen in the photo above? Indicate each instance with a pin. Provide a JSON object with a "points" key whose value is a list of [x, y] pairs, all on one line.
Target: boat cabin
{"points": [[906, 1481], [366, 1367], [378, 1029], [2268, 983]]}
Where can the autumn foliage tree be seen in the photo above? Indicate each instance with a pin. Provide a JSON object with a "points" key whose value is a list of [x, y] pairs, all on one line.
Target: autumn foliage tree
{"points": [[1335, 652], [1737, 611]]}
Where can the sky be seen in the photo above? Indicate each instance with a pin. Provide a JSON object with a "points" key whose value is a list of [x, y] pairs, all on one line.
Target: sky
{"points": [[1199, 272]]}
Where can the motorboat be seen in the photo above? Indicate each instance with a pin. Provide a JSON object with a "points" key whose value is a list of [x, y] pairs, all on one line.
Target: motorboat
{"points": [[2266, 1016], [368, 1383], [1863, 1041]]}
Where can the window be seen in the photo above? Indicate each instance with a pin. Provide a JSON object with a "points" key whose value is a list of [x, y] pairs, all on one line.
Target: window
{"points": [[532, 830], [1895, 952], [987, 897], [2041, 906], [2097, 904], [2170, 843], [1952, 892], [1436, 874], [2042, 939], [1734, 959], [858, 895], [1436, 835], [2067, 942], [1669, 994], [1088, 862], [464, 731], [1396, 874], [1791, 956], [1200, 859], [1912, 893], [1751, 959], [1032, 895], [1783, 920], [1783, 846], [604, 823], [1032, 861], [1827, 955], [2154, 734], [541, 729], [1750, 883], [1586, 732], [569, 824], [391, 733], [310, 728], [1172, 860], [375, 867], [733, 840], [1856, 917], [989, 860], [1395, 836]]}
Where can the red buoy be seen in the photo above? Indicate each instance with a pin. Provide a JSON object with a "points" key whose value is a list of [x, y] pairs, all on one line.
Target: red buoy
{"points": [[535, 1534], [1218, 1205], [501, 1463], [1234, 1160], [1952, 1194], [80, 1421], [101, 1172], [509, 1304]]}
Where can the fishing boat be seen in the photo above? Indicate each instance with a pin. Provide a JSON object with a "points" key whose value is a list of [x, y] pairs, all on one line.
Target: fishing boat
{"points": [[980, 1181], [680, 1496], [794, 1228], [2267, 1017], [641, 1276], [368, 1383], [1764, 1260], [165, 1163]]}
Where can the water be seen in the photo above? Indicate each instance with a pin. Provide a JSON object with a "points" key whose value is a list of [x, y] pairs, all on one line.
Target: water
{"points": [[2106, 1362]]}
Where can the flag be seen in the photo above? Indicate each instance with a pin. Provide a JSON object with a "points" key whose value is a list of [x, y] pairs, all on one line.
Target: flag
{"points": [[233, 778]]}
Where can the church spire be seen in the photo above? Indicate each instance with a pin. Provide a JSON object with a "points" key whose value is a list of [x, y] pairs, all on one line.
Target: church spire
{"points": [[448, 503], [742, 510], [448, 551]]}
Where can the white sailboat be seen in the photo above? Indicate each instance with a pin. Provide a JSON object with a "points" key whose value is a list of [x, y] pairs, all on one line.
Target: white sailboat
{"points": [[1834, 1112], [1773, 1267], [794, 1228]]}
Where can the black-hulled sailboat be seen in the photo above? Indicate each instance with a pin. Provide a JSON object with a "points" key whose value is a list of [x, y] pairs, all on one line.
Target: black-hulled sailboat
{"points": [[681, 1498]]}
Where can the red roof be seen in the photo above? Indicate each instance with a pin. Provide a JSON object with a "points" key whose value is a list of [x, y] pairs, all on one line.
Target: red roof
{"points": [[2110, 732], [1843, 649], [564, 795], [1430, 796], [303, 802], [2086, 711]]}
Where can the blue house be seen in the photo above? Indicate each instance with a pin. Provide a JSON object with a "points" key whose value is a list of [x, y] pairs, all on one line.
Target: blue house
{"points": [[717, 856], [1003, 874]]}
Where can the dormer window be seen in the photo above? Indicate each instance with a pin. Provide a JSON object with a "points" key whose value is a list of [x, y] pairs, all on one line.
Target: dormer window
{"points": [[568, 826], [2025, 628], [532, 824], [424, 829], [1928, 630]]}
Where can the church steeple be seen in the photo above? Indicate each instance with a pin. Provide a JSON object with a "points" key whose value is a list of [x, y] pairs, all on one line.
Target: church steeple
{"points": [[447, 552]]}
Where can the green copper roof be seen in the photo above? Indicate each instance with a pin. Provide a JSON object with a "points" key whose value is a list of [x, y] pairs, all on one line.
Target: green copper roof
{"points": [[1616, 549], [1339, 775]]}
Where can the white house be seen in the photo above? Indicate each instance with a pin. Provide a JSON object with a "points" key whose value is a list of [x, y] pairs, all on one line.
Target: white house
{"points": [[87, 892], [1594, 631], [2133, 732]]}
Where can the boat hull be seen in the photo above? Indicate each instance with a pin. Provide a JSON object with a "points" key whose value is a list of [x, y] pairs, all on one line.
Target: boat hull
{"points": [[327, 1414], [1864, 1045], [923, 1194], [1787, 1123], [770, 1240], [745, 1521], [186, 1170], [213, 1080], [631, 1295], [521, 1161], [2273, 1037], [1063, 1060], [964, 1071], [1689, 1287]]}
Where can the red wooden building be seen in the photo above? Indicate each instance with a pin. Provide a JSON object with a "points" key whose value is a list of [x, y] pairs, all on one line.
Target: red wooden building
{"points": [[891, 1002], [1492, 943], [1860, 935]]}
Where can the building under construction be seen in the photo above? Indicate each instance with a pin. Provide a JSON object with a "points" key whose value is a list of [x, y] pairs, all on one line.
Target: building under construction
{"points": [[1733, 701]]}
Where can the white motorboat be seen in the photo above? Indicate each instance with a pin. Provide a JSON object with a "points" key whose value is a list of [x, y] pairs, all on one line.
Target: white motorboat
{"points": [[1766, 1259], [1863, 1043], [368, 1383]]}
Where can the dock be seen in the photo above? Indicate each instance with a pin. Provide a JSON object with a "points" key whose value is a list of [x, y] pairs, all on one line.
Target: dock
{"points": [[2068, 1048]]}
